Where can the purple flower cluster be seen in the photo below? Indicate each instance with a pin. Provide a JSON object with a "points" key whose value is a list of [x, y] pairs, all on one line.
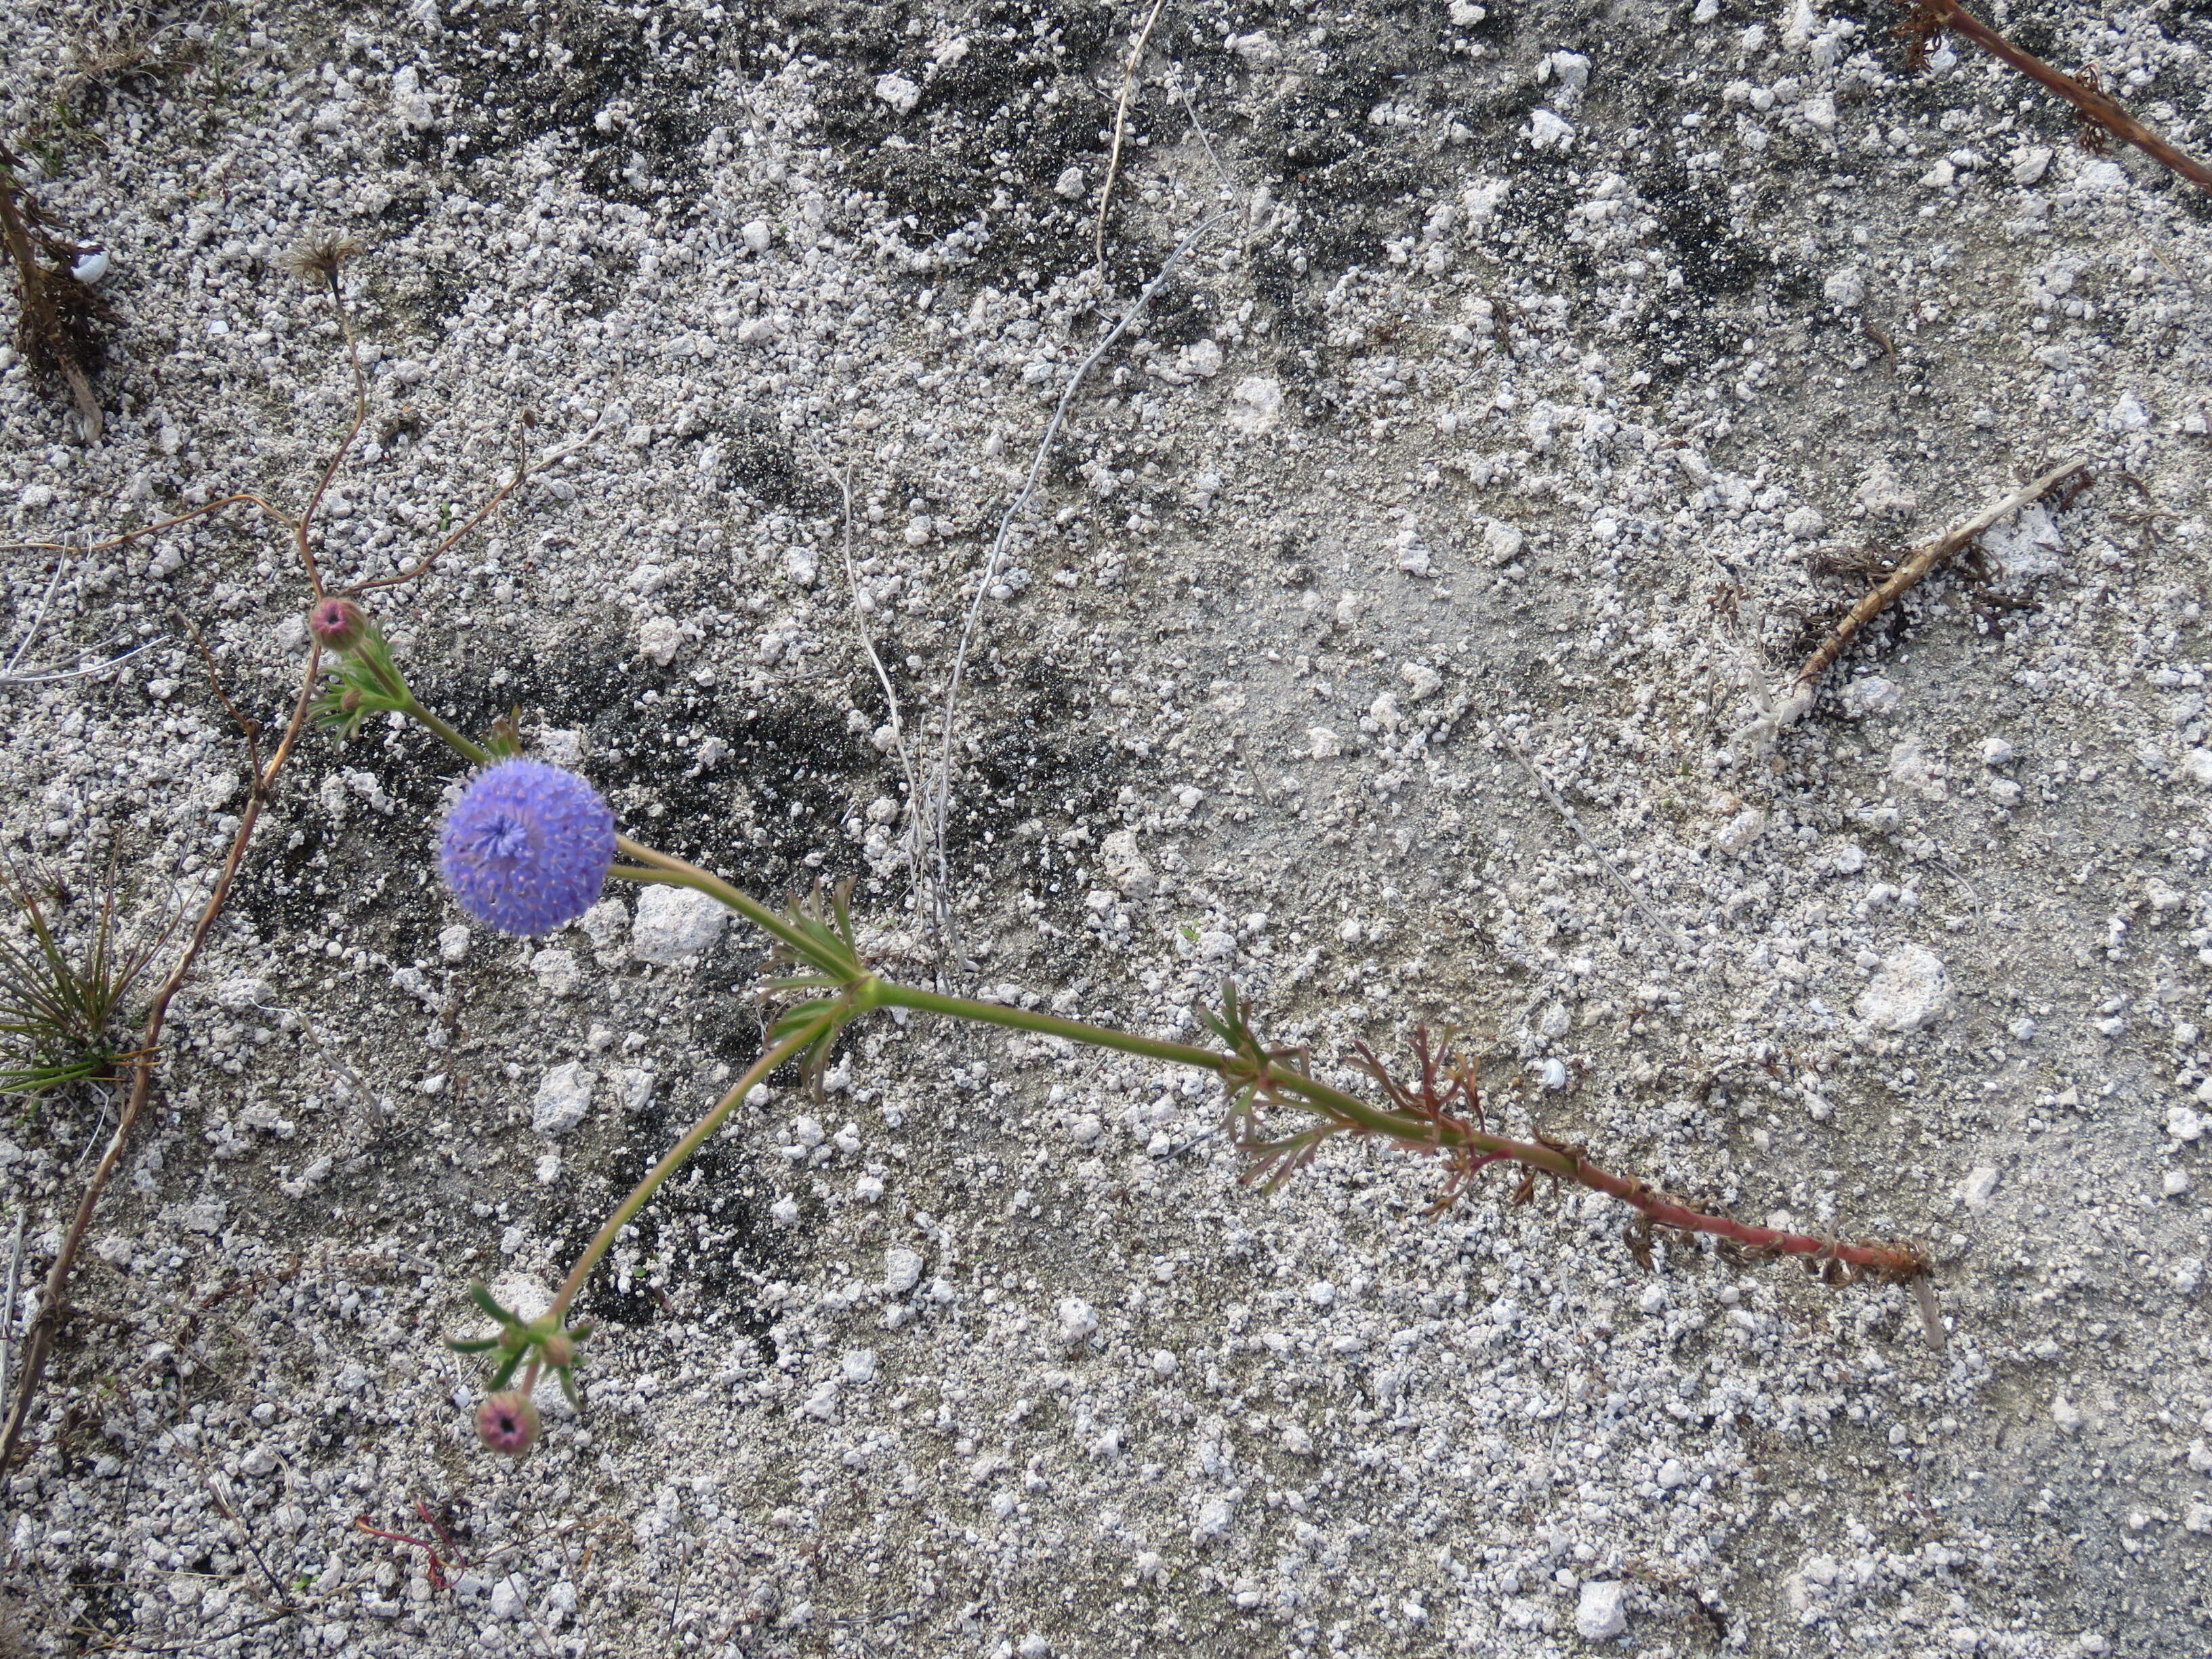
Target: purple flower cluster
{"points": [[527, 847]]}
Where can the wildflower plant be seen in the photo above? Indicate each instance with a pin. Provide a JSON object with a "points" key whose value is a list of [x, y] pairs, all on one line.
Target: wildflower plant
{"points": [[527, 848]]}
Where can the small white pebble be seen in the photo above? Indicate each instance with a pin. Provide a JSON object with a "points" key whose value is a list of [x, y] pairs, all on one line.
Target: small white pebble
{"points": [[2174, 1182], [902, 1269], [1996, 751], [1320, 1293], [1737, 836], [1601, 1612], [1078, 1319], [2183, 1124], [901, 94], [785, 1210], [1164, 1362], [757, 235], [1554, 1073], [92, 267]]}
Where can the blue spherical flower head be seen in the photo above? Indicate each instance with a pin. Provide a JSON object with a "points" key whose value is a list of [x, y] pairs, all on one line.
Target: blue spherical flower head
{"points": [[527, 847]]}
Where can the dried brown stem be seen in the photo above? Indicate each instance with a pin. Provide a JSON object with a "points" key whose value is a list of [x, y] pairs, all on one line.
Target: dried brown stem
{"points": [[522, 470], [1796, 699], [39, 1340], [1933, 15], [58, 310], [248, 729], [1422, 1118]]}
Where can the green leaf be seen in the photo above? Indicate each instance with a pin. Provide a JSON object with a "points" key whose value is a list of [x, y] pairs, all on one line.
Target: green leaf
{"points": [[473, 1345], [480, 1293]]}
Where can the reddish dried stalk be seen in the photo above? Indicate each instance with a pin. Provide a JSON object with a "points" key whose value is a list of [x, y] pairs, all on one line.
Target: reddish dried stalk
{"points": [[1933, 16], [39, 1340]]}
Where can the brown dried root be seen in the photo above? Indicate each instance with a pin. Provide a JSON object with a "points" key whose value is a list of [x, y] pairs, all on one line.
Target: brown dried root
{"points": [[1794, 701], [58, 316]]}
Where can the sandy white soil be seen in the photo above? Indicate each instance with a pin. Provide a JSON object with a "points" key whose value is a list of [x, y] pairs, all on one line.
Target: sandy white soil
{"points": [[1554, 378]]}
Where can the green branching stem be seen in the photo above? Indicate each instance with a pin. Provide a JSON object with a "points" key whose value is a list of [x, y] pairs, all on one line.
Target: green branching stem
{"points": [[680, 1154], [646, 866], [1268, 1078]]}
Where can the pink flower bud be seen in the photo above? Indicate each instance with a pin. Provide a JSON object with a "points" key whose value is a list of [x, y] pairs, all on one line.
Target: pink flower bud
{"points": [[508, 1423], [340, 624], [560, 1349]]}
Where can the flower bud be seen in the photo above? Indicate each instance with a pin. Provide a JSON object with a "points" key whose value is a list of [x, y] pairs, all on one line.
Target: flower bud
{"points": [[340, 624], [351, 701], [560, 1349], [508, 1423]]}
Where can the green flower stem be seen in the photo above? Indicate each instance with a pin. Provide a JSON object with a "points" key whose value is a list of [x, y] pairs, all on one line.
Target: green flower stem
{"points": [[1259, 1073], [680, 1153], [1235, 1069], [648, 866], [1270, 1080], [466, 748], [396, 687]]}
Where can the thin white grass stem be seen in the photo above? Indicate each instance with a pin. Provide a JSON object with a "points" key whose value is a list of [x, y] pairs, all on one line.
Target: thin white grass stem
{"points": [[11, 680], [38, 617], [942, 786], [915, 806]]}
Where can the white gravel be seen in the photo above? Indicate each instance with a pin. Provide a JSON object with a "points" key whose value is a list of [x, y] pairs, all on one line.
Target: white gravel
{"points": [[1557, 377]]}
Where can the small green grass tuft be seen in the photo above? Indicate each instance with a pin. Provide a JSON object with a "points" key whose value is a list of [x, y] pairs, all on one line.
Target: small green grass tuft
{"points": [[60, 1008]]}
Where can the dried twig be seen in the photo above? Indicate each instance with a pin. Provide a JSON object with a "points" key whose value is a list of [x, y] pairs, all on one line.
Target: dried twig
{"points": [[54, 326], [1932, 18], [8, 1309], [1121, 125], [1796, 700]]}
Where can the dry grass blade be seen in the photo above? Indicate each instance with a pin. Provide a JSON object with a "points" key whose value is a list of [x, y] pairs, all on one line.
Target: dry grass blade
{"points": [[940, 800]]}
